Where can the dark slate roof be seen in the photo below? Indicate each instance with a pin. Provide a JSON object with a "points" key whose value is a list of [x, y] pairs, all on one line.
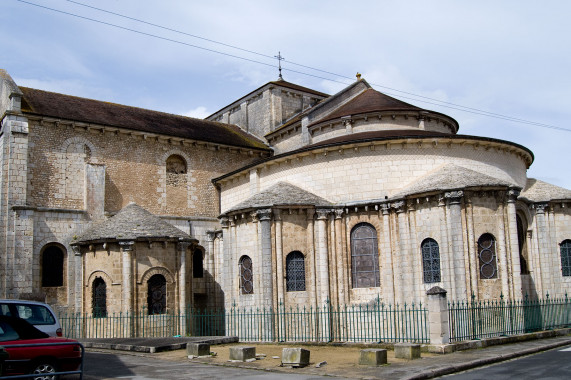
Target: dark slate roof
{"points": [[281, 194], [84, 110], [450, 177], [539, 191], [372, 100], [131, 223]]}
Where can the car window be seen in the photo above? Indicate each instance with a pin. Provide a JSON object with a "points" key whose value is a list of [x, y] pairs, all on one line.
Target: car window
{"points": [[5, 310], [35, 314], [7, 332]]}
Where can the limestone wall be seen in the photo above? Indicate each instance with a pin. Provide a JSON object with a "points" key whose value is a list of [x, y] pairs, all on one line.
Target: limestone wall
{"points": [[372, 172], [455, 220], [135, 171]]}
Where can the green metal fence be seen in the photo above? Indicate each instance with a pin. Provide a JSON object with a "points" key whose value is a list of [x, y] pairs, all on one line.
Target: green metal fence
{"points": [[482, 319], [376, 322]]}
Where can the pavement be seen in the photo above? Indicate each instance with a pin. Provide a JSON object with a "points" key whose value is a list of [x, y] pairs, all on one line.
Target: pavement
{"points": [[465, 355]]}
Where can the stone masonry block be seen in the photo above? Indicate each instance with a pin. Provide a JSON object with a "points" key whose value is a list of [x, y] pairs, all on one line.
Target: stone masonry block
{"points": [[407, 351], [296, 357], [198, 349], [373, 356], [242, 353]]}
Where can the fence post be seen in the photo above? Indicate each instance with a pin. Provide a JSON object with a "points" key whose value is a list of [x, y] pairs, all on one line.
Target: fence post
{"points": [[438, 316]]}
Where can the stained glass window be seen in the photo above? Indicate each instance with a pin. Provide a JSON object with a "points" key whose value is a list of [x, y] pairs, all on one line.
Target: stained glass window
{"points": [[566, 257], [487, 256], [246, 275], [157, 294], [364, 256], [295, 272], [430, 261], [99, 299]]}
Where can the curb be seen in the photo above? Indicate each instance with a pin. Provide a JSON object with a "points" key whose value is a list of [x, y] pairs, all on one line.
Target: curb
{"points": [[486, 361]]}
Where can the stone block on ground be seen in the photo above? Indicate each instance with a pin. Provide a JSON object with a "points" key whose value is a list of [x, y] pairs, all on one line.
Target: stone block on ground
{"points": [[407, 351], [295, 357], [198, 349], [373, 356], [242, 353]]}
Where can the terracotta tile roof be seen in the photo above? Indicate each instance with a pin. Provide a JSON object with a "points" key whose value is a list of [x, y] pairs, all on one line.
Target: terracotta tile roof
{"points": [[84, 110], [131, 223]]}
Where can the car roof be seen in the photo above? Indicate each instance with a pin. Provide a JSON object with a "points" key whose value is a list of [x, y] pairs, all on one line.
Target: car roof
{"points": [[23, 302]]}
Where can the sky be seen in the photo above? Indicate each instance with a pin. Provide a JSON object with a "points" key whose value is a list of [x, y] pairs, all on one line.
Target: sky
{"points": [[507, 58]]}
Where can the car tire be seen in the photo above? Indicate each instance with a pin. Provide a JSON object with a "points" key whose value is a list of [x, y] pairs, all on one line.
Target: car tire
{"points": [[43, 368]]}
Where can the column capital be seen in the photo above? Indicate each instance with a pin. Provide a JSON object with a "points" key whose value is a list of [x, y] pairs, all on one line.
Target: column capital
{"points": [[76, 250], [454, 197], [264, 214], [322, 213], [127, 245], [410, 204], [183, 245], [210, 236], [385, 207], [224, 221], [512, 195], [540, 208], [398, 206], [338, 213]]}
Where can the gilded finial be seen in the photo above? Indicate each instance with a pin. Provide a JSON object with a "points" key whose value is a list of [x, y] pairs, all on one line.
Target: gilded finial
{"points": [[358, 76]]}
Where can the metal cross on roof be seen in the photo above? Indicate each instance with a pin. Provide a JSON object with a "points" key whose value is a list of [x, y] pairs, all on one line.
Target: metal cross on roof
{"points": [[280, 59]]}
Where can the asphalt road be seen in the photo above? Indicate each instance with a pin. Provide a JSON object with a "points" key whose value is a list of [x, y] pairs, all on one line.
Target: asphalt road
{"points": [[553, 364], [139, 367]]}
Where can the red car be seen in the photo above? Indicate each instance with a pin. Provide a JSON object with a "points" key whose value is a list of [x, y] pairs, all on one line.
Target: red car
{"points": [[42, 355]]}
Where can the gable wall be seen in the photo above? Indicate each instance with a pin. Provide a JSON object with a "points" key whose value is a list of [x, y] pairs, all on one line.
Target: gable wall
{"points": [[134, 171]]}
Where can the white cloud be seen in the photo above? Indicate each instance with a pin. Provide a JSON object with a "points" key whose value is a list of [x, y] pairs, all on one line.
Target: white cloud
{"points": [[199, 112]]}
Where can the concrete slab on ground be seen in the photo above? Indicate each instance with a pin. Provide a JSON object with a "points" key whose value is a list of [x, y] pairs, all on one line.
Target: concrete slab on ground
{"points": [[154, 344]]}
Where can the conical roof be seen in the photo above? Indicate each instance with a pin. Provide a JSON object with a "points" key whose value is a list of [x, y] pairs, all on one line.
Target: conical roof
{"points": [[131, 223], [281, 194], [450, 177], [539, 191]]}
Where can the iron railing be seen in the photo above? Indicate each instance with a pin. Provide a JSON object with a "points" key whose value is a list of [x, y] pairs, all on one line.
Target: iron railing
{"points": [[477, 319], [375, 322]]}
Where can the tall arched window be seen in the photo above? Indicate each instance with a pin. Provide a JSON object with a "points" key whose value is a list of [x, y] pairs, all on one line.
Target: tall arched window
{"points": [[522, 245], [52, 266], [197, 264], [566, 257], [430, 261], [295, 272], [99, 298], [246, 275], [157, 294], [364, 256], [487, 256]]}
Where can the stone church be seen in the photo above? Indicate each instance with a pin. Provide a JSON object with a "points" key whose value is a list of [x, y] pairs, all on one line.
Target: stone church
{"points": [[288, 196]]}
